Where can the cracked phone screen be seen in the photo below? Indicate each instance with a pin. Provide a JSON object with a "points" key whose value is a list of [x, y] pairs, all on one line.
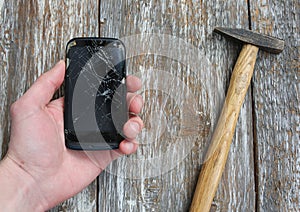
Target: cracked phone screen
{"points": [[95, 93]]}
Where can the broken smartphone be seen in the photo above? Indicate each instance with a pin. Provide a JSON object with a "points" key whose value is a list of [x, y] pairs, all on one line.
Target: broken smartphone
{"points": [[95, 107]]}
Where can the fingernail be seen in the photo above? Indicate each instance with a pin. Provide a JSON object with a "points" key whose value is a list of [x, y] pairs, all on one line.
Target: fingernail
{"points": [[135, 126], [59, 63]]}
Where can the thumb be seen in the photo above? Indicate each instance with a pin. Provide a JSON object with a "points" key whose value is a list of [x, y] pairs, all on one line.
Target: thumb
{"points": [[41, 92]]}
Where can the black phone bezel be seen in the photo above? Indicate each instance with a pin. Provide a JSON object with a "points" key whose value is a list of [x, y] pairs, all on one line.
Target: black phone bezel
{"points": [[76, 145]]}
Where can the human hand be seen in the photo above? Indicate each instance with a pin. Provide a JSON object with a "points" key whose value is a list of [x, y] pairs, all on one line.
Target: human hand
{"points": [[37, 156]]}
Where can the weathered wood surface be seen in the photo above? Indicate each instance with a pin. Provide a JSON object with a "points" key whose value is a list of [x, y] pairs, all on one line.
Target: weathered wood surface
{"points": [[192, 21], [276, 88], [33, 35]]}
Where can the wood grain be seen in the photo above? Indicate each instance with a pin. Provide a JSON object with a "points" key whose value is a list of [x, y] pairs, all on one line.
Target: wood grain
{"points": [[33, 35], [6, 46], [276, 88], [192, 21]]}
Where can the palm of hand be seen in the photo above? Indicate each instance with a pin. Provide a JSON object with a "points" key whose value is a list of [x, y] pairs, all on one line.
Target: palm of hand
{"points": [[37, 144], [48, 159]]}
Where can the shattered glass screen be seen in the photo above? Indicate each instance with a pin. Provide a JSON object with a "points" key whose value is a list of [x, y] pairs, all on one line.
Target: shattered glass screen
{"points": [[95, 93]]}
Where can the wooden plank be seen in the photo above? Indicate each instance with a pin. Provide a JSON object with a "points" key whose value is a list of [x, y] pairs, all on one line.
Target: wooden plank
{"points": [[33, 35], [192, 21], [5, 48], [277, 117]]}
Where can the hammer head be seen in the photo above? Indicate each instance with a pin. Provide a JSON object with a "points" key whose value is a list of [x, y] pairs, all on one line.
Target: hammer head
{"points": [[265, 42]]}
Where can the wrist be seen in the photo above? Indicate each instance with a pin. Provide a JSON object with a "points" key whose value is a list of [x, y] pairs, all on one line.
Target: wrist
{"points": [[18, 189]]}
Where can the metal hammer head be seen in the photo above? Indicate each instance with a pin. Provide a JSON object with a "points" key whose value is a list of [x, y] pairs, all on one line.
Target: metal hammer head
{"points": [[265, 42]]}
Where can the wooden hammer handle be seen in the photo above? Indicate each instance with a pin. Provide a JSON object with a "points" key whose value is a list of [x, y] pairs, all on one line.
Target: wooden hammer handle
{"points": [[216, 156]]}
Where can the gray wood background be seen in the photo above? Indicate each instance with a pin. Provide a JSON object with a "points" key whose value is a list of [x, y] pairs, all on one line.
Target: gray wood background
{"points": [[263, 169]]}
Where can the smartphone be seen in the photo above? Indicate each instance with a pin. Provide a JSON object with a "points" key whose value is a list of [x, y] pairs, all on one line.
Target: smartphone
{"points": [[95, 108]]}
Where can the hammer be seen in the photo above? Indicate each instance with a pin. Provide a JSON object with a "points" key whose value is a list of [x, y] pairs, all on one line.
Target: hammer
{"points": [[217, 153]]}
